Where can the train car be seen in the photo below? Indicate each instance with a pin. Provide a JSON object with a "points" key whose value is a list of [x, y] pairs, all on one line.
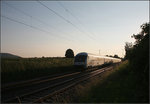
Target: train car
{"points": [[87, 60]]}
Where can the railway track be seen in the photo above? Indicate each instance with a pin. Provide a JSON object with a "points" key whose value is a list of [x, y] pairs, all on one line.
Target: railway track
{"points": [[14, 85], [39, 90]]}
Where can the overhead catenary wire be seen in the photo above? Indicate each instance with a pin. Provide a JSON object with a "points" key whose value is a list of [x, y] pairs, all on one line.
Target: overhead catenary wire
{"points": [[35, 18], [69, 38], [64, 19], [17, 9], [34, 27], [69, 12]]}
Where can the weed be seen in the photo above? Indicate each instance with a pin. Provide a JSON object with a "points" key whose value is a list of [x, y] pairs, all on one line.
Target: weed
{"points": [[28, 68]]}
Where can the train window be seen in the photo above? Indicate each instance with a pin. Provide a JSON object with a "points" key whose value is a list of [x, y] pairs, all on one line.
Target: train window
{"points": [[80, 58]]}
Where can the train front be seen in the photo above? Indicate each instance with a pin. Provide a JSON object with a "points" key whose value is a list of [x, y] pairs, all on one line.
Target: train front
{"points": [[80, 60]]}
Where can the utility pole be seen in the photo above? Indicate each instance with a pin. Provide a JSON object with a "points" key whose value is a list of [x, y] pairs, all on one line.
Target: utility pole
{"points": [[122, 53]]}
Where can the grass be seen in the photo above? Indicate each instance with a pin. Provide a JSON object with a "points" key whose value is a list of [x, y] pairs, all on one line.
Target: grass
{"points": [[121, 85], [118, 86], [28, 68]]}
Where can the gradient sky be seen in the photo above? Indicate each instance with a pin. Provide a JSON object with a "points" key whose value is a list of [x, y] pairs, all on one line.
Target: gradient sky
{"points": [[84, 26]]}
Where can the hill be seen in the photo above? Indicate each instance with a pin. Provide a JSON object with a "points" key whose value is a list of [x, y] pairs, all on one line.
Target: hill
{"points": [[8, 55]]}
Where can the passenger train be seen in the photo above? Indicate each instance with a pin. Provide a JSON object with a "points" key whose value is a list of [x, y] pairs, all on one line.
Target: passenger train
{"points": [[88, 60]]}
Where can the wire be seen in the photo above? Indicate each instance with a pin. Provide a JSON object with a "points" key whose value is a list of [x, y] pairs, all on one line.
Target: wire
{"points": [[29, 26], [63, 18], [17, 9], [32, 17], [68, 11]]}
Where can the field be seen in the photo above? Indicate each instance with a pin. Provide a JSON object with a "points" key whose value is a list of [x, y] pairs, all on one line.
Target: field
{"points": [[28, 68]]}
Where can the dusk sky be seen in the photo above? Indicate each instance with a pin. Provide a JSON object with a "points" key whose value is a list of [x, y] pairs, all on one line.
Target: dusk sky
{"points": [[49, 28]]}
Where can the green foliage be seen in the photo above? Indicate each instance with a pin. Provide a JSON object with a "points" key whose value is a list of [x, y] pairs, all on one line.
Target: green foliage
{"points": [[69, 53], [116, 56], [129, 84], [121, 86], [128, 49], [27, 68], [139, 37], [139, 53]]}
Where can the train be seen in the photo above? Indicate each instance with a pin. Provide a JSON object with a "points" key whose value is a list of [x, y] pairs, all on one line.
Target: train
{"points": [[88, 60]]}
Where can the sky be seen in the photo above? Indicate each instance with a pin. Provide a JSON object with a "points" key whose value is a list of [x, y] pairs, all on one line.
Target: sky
{"points": [[49, 28]]}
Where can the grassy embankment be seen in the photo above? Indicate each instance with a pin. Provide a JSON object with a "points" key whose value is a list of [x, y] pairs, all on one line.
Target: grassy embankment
{"points": [[28, 68], [121, 85]]}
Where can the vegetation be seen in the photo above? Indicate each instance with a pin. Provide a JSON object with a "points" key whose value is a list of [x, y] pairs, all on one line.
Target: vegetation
{"points": [[27, 68], [138, 54], [130, 82], [115, 56], [120, 86], [69, 53]]}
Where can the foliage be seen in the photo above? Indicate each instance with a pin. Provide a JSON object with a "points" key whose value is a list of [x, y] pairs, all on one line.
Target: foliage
{"points": [[138, 55], [129, 84], [140, 36], [128, 49], [27, 68], [120, 86], [116, 56], [69, 53]]}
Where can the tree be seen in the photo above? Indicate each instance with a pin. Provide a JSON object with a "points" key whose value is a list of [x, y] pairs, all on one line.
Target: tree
{"points": [[116, 56], [141, 48], [138, 54], [138, 37], [128, 46], [110, 56], [69, 53], [128, 49]]}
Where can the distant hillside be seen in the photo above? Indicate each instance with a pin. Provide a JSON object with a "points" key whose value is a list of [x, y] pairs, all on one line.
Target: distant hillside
{"points": [[8, 55]]}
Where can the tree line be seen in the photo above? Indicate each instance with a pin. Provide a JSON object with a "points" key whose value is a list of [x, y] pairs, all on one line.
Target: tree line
{"points": [[138, 56], [138, 53], [70, 54]]}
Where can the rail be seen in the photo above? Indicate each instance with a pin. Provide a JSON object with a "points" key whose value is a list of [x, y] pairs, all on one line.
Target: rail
{"points": [[47, 87]]}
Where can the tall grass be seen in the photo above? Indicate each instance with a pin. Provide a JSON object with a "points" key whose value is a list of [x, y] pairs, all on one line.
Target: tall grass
{"points": [[121, 86], [27, 68]]}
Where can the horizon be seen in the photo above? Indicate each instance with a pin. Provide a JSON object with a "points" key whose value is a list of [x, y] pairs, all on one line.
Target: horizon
{"points": [[53, 56], [49, 28]]}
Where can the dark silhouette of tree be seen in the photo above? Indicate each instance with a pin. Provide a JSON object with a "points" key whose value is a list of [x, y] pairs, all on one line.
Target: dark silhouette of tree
{"points": [[145, 30], [128, 49], [116, 56], [140, 51], [69, 53], [110, 56], [128, 46], [138, 56]]}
